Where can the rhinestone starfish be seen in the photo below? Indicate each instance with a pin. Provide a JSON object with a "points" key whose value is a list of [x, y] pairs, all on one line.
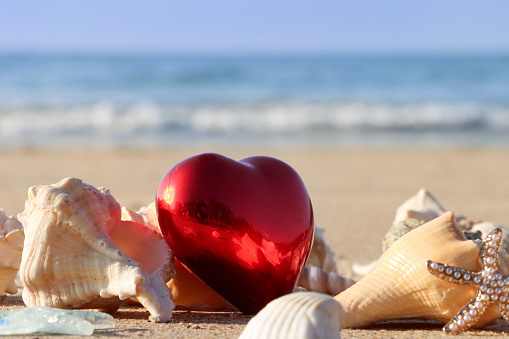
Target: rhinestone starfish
{"points": [[491, 286]]}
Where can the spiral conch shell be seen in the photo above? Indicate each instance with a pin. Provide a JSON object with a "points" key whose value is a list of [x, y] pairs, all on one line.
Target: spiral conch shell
{"points": [[400, 286], [70, 261], [11, 247], [300, 315]]}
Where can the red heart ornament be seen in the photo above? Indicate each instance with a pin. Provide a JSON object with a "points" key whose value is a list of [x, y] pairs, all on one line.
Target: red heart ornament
{"points": [[244, 227]]}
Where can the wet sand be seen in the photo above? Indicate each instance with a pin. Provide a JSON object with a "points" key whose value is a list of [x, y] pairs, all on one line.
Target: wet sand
{"points": [[355, 193]]}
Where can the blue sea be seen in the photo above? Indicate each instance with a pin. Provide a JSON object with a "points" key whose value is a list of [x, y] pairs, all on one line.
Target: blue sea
{"points": [[63, 100]]}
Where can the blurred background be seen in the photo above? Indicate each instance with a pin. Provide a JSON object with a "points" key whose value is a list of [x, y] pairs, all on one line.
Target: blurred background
{"points": [[368, 100], [165, 73]]}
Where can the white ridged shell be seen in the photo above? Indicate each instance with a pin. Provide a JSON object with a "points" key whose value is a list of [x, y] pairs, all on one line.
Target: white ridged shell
{"points": [[11, 247], [69, 259], [300, 315]]}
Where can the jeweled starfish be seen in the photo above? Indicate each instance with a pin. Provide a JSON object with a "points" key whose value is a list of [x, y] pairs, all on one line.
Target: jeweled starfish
{"points": [[492, 287]]}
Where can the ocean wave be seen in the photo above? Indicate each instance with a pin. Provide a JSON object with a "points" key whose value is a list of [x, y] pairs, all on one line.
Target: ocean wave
{"points": [[158, 123]]}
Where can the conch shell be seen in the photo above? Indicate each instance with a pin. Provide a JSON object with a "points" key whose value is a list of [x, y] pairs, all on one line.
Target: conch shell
{"points": [[400, 286], [70, 261], [11, 247], [300, 315]]}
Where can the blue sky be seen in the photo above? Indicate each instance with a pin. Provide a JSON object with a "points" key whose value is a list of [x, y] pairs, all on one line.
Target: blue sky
{"points": [[261, 26]]}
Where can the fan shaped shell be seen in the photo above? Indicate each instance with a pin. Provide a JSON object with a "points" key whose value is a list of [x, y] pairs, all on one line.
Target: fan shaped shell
{"points": [[300, 315]]}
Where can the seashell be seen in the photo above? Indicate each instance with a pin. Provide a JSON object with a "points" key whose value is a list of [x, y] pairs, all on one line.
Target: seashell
{"points": [[400, 286], [321, 254], [422, 206], [306, 315], [11, 247], [70, 261], [318, 280]]}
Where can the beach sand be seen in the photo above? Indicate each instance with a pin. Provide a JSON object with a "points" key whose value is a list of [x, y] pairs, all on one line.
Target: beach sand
{"points": [[355, 193]]}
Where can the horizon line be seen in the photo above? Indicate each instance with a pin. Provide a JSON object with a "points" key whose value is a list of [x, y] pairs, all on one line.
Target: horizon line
{"points": [[251, 53]]}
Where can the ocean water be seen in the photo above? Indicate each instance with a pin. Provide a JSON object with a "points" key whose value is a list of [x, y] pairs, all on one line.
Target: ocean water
{"points": [[155, 100]]}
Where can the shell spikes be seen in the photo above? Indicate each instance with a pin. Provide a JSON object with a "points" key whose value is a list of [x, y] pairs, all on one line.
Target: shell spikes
{"points": [[492, 287], [400, 286], [70, 261]]}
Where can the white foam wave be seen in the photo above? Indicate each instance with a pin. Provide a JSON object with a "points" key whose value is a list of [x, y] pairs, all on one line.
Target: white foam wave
{"points": [[145, 120], [358, 116], [98, 118]]}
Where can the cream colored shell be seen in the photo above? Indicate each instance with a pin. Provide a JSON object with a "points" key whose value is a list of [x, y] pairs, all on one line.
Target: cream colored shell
{"points": [[11, 247], [400, 286], [300, 315], [69, 260]]}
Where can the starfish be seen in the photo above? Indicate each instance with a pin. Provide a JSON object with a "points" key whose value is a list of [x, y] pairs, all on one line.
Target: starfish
{"points": [[492, 287]]}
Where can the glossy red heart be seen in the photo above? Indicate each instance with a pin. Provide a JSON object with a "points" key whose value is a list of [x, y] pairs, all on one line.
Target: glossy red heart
{"points": [[244, 227]]}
